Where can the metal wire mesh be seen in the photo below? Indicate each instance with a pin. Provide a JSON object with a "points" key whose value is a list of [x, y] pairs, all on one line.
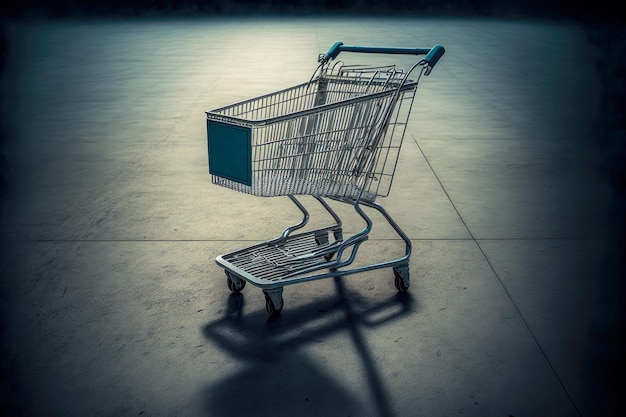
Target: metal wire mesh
{"points": [[338, 135]]}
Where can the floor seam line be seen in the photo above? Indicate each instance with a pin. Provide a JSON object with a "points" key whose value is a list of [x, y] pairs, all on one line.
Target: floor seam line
{"points": [[508, 294]]}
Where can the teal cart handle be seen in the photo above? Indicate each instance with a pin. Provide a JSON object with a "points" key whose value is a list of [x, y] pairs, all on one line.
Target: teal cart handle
{"points": [[432, 54]]}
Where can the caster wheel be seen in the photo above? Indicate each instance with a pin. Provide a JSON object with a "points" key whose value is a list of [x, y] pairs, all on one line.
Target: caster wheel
{"points": [[399, 282], [233, 286], [271, 308], [329, 256]]}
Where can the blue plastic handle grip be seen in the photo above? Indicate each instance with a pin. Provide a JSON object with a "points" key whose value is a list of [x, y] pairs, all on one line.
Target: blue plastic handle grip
{"points": [[332, 52], [432, 54]]}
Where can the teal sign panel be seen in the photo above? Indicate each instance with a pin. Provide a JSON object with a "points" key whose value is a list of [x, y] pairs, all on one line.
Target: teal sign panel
{"points": [[230, 151]]}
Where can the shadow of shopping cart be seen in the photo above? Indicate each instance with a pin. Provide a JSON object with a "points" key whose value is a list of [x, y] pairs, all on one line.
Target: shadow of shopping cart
{"points": [[278, 375]]}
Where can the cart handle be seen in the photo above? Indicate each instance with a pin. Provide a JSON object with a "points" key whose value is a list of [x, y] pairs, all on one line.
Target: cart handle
{"points": [[432, 54]]}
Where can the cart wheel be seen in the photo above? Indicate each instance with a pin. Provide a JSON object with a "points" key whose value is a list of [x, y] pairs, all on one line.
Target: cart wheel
{"points": [[271, 308], [399, 282], [234, 287], [329, 256]]}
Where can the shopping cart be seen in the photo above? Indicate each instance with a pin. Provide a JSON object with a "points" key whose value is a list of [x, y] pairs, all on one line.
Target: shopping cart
{"points": [[337, 136]]}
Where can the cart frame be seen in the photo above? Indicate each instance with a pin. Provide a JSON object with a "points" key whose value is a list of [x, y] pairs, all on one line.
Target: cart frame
{"points": [[337, 137]]}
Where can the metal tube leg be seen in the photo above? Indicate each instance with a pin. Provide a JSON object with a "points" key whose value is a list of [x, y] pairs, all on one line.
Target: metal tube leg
{"points": [[337, 226], [393, 224], [290, 229], [401, 270], [357, 237]]}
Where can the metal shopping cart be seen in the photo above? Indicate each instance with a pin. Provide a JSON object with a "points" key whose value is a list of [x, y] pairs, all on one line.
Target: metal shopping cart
{"points": [[337, 137]]}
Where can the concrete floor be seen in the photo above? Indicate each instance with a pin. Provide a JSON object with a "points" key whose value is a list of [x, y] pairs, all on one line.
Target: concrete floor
{"points": [[113, 305]]}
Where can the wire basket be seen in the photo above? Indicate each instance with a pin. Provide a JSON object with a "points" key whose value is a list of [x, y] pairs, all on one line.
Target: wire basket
{"points": [[338, 135]]}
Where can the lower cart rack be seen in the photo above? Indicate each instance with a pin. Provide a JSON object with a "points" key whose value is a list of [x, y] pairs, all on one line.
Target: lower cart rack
{"points": [[335, 137], [309, 256]]}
